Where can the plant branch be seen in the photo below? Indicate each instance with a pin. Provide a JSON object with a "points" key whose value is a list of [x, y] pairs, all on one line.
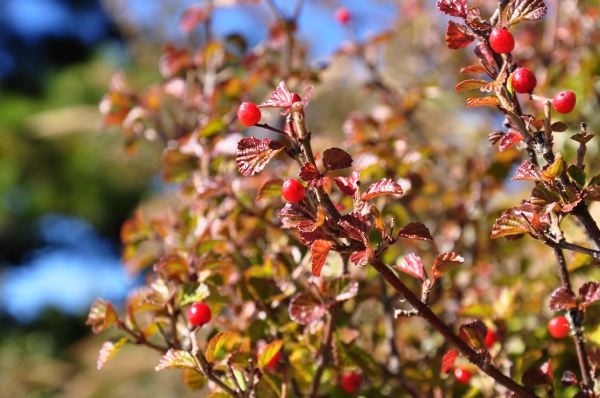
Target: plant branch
{"points": [[324, 354], [426, 313]]}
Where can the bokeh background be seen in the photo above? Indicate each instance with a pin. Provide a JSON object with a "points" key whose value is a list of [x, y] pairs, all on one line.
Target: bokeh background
{"points": [[67, 185]]}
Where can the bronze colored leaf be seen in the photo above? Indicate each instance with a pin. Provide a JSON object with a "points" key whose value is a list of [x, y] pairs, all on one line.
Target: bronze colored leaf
{"points": [[483, 101], [458, 36], [443, 262], [521, 10], [336, 158], [454, 8], [385, 186], [469, 84], [102, 316], [415, 230], [253, 154], [412, 265], [319, 251], [527, 171], [589, 293], [109, 350], [309, 172], [305, 309], [562, 299], [176, 359]]}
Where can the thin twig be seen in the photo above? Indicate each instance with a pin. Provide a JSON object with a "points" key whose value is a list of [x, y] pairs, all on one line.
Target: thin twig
{"points": [[323, 354]]}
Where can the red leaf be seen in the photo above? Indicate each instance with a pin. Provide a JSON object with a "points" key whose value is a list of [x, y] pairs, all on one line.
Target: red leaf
{"points": [[562, 298], [281, 97], [444, 261], [589, 293], [458, 36], [319, 250], [483, 101], [348, 185], [307, 238], [454, 8], [510, 223], [412, 265], [415, 230], [448, 360], [192, 17], [473, 69], [309, 172], [355, 227], [521, 10], [336, 158], [509, 140], [385, 186], [527, 171], [485, 55], [361, 258], [253, 154], [305, 309]]}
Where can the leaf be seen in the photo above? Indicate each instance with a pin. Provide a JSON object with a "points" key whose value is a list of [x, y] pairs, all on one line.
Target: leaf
{"points": [[309, 172], [253, 154], [361, 258], [342, 288], [551, 171], [509, 224], [458, 36], [336, 158], [270, 189], [385, 186], [483, 101], [454, 8], [348, 185], [521, 10], [176, 359], [355, 226], [281, 97], [473, 69], [473, 333], [224, 341], [589, 293], [562, 298], [485, 55], [497, 84], [310, 225], [444, 261], [412, 265], [469, 84], [448, 360], [509, 140], [305, 309], [577, 174], [559, 127], [569, 379], [592, 192], [109, 350], [319, 251], [535, 376], [172, 268], [269, 352], [193, 380], [415, 230], [173, 61], [192, 17], [102, 316], [527, 171]]}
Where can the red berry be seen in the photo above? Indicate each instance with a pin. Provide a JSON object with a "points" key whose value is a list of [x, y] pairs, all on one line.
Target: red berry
{"points": [[350, 382], [296, 98], [274, 361], [564, 102], [559, 327], [490, 338], [342, 15], [523, 80], [198, 314], [462, 375], [293, 190], [502, 41], [248, 114]]}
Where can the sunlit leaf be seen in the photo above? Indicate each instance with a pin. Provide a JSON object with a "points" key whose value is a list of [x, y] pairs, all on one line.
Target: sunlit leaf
{"points": [[305, 309], [458, 36], [483, 101], [454, 8], [443, 262], [473, 69], [473, 333], [415, 230], [281, 97], [102, 316], [176, 359], [527, 171], [336, 158], [309, 172], [521, 10], [470, 84], [551, 171], [348, 185], [270, 189], [220, 345], [319, 250], [193, 379], [562, 298], [509, 140], [412, 265], [109, 350], [253, 154], [589, 293], [361, 258], [509, 224], [269, 352], [385, 186]]}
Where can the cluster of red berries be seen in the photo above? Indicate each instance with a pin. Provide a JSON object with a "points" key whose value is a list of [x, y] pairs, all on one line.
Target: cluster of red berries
{"points": [[523, 79]]}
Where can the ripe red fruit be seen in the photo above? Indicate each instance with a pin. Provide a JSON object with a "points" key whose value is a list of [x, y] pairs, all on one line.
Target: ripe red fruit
{"points": [[350, 382], [462, 375], [342, 15], [502, 41], [274, 361], [564, 102], [559, 327], [293, 190], [198, 314], [490, 338], [248, 114], [523, 80]]}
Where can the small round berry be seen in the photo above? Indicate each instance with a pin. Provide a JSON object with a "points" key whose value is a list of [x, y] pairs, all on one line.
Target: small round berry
{"points": [[564, 102], [248, 114], [198, 314], [342, 15], [559, 327], [274, 361], [293, 190], [523, 80], [296, 98], [502, 41], [350, 382], [463, 375], [490, 338]]}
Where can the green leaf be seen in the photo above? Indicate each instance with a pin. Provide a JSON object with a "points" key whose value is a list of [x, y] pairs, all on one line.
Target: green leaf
{"points": [[109, 350], [102, 316], [193, 380], [269, 351], [577, 174], [213, 127], [220, 345], [176, 359]]}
